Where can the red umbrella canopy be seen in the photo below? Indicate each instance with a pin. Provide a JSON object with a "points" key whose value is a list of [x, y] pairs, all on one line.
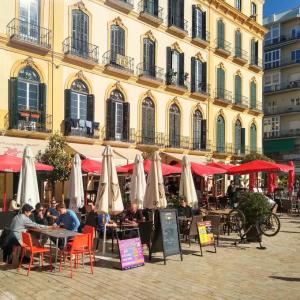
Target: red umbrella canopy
{"points": [[258, 166], [95, 167], [9, 163], [291, 177], [204, 170], [166, 169], [220, 165]]}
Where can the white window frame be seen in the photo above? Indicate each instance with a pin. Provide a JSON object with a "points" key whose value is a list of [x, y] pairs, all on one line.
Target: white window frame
{"points": [[272, 127], [272, 61]]}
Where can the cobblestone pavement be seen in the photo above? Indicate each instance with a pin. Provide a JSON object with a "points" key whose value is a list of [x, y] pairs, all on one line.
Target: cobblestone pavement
{"points": [[242, 272]]}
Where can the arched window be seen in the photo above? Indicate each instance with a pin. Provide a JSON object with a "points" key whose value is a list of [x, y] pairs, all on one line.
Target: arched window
{"points": [[220, 34], [117, 43], [197, 129], [29, 18], [117, 120], [80, 33], [174, 126], [148, 121], [238, 43], [253, 94], [238, 135], [253, 138], [220, 83], [79, 95], [220, 134], [238, 89], [149, 58]]}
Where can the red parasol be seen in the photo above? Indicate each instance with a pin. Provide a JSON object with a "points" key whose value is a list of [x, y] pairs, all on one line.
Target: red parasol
{"points": [[291, 177], [252, 181], [204, 170], [94, 166], [272, 182], [220, 165]]}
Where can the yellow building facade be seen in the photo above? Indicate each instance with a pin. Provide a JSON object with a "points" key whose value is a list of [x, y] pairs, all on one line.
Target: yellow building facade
{"points": [[179, 76]]}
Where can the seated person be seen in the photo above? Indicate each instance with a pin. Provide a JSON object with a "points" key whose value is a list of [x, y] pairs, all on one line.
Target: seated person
{"points": [[38, 217], [14, 206], [52, 214], [103, 219], [91, 216], [134, 215], [184, 210], [18, 225], [67, 218]]}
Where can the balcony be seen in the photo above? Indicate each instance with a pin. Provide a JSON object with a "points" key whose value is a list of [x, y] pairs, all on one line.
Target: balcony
{"points": [[223, 150], [151, 75], [282, 87], [118, 64], [174, 83], [125, 5], [256, 64], [284, 62], [281, 41], [178, 26], [30, 121], [282, 110], [240, 101], [240, 151], [117, 138], [179, 142], [81, 128], [240, 56], [150, 12], [196, 145], [256, 107], [222, 47], [81, 51], [282, 134], [200, 90], [28, 35], [151, 139], [223, 96], [200, 37]]}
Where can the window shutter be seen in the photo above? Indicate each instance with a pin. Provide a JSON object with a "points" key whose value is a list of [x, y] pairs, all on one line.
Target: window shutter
{"points": [[144, 124], [237, 137], [243, 138], [252, 51], [181, 69], [151, 124], [149, 57], [90, 107], [121, 38], [238, 89], [110, 119], [13, 102], [204, 25], [170, 13], [193, 69], [67, 104], [203, 134], [177, 129], [253, 138], [220, 135], [169, 65], [220, 83], [256, 52], [155, 8], [42, 102], [220, 34], [194, 21], [204, 77], [126, 121], [253, 95], [238, 44], [180, 14]]}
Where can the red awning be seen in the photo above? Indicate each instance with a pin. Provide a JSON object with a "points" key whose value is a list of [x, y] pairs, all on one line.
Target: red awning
{"points": [[204, 170], [13, 164], [94, 166], [220, 165], [258, 166], [166, 169]]}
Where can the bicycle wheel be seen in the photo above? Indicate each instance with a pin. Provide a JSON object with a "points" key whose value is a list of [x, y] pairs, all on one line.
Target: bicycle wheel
{"points": [[270, 225], [236, 220]]}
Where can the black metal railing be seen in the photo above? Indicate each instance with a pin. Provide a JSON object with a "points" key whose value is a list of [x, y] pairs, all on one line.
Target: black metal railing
{"points": [[282, 39], [199, 146], [178, 141], [223, 148], [241, 100], [240, 53], [199, 33], [151, 138], [222, 44], [255, 105], [29, 120], [129, 138], [176, 79], [82, 128], [200, 87], [282, 86], [151, 8], [224, 95], [81, 49], [239, 150], [178, 23], [118, 61], [255, 61], [28, 32], [152, 72]]}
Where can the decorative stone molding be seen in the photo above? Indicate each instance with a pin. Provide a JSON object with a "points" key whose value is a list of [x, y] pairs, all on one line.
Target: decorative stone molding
{"points": [[221, 65], [238, 72], [118, 21], [199, 56], [149, 94], [176, 101], [80, 75], [150, 36], [29, 62], [176, 47], [81, 6]]}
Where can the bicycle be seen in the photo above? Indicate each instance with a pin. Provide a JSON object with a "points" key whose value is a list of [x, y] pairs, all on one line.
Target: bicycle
{"points": [[267, 224]]}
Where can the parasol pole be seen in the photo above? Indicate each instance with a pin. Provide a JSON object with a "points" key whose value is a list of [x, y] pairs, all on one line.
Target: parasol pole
{"points": [[4, 194]]}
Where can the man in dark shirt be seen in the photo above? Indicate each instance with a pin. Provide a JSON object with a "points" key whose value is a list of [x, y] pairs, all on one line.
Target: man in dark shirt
{"points": [[184, 210], [231, 193], [134, 215], [91, 215], [52, 213], [39, 217]]}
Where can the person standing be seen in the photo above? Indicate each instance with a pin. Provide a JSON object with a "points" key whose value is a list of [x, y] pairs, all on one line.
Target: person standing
{"points": [[231, 193]]}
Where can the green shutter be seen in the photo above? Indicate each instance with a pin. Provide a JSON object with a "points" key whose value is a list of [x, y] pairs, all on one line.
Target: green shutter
{"points": [[220, 83], [220, 34], [243, 139], [253, 147], [13, 102], [42, 103], [253, 94], [220, 134], [238, 89], [253, 50], [238, 44], [237, 137]]}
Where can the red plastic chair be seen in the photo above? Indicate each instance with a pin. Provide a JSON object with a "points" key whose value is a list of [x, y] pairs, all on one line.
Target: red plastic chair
{"points": [[28, 246], [80, 245], [91, 231]]}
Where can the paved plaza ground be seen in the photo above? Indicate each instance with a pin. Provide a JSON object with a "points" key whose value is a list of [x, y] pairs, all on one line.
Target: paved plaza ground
{"points": [[242, 272]]}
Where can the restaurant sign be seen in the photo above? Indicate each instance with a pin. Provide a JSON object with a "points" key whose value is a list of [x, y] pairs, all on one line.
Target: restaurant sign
{"points": [[206, 236]]}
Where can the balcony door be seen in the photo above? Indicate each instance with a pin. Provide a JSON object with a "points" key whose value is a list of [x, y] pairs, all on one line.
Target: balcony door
{"points": [[239, 138], [253, 94], [238, 89], [175, 67], [29, 19], [149, 58], [253, 138], [80, 33], [117, 45], [198, 75], [220, 134], [174, 126], [148, 121], [220, 83], [151, 7], [79, 100], [220, 34], [199, 23], [176, 13]]}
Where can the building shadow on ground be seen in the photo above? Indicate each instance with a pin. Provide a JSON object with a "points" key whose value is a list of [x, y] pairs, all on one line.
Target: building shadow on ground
{"points": [[295, 279]]}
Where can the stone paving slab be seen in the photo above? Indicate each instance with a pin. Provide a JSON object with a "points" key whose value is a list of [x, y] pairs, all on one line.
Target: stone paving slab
{"points": [[241, 272]]}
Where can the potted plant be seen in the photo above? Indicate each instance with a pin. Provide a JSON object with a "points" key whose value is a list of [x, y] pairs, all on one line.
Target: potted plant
{"points": [[254, 206], [24, 113], [171, 74], [35, 114]]}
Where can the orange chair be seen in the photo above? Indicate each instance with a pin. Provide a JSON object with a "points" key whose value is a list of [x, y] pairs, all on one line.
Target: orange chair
{"points": [[28, 246], [80, 245], [91, 231]]}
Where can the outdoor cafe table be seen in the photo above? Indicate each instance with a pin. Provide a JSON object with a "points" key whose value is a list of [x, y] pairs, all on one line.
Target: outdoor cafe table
{"points": [[55, 233]]}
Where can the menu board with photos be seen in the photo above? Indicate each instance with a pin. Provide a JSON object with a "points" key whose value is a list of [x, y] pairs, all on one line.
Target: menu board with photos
{"points": [[205, 235]]}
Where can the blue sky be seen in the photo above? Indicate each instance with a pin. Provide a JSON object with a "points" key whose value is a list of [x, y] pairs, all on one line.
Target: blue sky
{"points": [[276, 6]]}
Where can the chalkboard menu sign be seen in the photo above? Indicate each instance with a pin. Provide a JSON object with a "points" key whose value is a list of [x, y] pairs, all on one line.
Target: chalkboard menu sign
{"points": [[166, 234], [131, 253]]}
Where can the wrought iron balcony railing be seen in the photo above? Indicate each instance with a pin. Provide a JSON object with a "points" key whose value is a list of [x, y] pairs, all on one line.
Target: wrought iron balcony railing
{"points": [[118, 61], [178, 141], [81, 49], [241, 100], [199, 33], [223, 148], [200, 87], [223, 95], [256, 62], [223, 45], [198, 145], [151, 138], [81, 128], [150, 7], [28, 33], [131, 138], [179, 23], [256, 105], [241, 54], [152, 72]]}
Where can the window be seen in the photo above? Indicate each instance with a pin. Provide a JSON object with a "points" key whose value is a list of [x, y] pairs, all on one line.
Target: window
{"points": [[239, 138], [29, 18], [148, 121], [176, 13], [199, 76], [175, 67], [79, 95], [220, 83], [273, 35], [272, 59], [295, 32], [80, 30], [220, 134], [149, 58], [174, 126], [199, 131], [238, 89], [253, 138], [151, 7], [220, 34], [117, 44], [254, 52], [272, 127], [117, 121], [295, 56], [199, 23], [271, 82], [253, 11], [238, 43], [253, 93], [238, 5]]}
